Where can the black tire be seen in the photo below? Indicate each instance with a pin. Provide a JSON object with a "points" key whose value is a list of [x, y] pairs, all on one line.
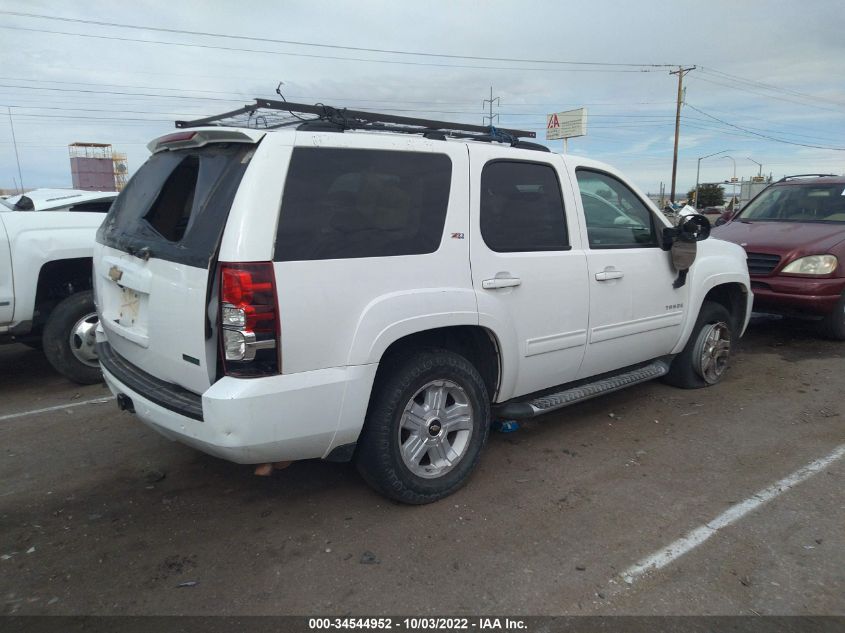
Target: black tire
{"points": [[57, 339], [378, 455], [833, 325], [687, 370]]}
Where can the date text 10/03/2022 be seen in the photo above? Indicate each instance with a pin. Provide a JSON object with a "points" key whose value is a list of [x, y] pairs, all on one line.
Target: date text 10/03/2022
{"points": [[425, 623]]}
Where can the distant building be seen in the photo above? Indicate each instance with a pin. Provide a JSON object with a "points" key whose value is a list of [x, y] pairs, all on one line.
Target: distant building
{"points": [[96, 167], [750, 188]]}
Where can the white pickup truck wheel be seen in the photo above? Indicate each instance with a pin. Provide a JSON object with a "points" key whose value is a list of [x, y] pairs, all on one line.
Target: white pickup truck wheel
{"points": [[428, 420], [704, 360], [68, 339]]}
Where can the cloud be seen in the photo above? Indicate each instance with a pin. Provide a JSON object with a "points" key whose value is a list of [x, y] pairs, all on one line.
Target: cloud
{"points": [[66, 88]]}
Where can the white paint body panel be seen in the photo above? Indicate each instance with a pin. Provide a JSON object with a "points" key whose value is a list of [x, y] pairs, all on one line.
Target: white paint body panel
{"points": [[7, 285], [32, 240], [278, 418], [339, 316], [541, 324], [155, 315]]}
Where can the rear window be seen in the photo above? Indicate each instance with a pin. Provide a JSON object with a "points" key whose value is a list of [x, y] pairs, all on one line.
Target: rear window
{"points": [[351, 203], [177, 204]]}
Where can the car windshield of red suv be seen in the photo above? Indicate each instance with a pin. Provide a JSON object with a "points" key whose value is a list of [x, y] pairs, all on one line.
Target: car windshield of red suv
{"points": [[797, 203]]}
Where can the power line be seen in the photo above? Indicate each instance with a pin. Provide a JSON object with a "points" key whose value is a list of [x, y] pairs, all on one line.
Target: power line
{"points": [[771, 138], [332, 57], [329, 46], [768, 96], [772, 87]]}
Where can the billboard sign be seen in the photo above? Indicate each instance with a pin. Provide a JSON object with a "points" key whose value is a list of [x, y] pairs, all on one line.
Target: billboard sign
{"points": [[566, 124]]}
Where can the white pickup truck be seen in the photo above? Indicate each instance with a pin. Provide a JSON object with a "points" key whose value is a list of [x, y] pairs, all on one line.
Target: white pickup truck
{"points": [[45, 278]]}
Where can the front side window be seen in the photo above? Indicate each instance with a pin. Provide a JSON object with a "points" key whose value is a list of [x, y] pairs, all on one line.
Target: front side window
{"points": [[352, 203], [615, 215], [522, 208]]}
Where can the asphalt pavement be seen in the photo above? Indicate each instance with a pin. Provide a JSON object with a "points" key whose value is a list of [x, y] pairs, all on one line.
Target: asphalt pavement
{"points": [[101, 515]]}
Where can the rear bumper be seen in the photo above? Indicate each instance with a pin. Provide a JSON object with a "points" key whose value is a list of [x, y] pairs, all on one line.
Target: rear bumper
{"points": [[801, 294], [258, 420]]}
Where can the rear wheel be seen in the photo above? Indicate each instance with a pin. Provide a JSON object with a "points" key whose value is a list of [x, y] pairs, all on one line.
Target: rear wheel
{"points": [[427, 423], [833, 325], [704, 360], [68, 339]]}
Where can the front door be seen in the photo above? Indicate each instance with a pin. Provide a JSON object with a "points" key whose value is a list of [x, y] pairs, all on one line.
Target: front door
{"points": [[635, 313]]}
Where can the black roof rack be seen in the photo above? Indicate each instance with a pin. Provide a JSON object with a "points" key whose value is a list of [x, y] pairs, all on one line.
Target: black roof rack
{"points": [[271, 114], [785, 178]]}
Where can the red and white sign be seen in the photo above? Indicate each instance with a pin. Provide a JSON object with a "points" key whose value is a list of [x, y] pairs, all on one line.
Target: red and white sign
{"points": [[566, 124]]}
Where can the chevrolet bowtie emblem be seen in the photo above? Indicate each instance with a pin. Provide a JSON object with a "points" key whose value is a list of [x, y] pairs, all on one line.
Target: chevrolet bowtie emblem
{"points": [[115, 273]]}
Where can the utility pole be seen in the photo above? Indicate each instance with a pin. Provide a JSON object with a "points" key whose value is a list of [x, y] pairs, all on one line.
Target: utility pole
{"points": [[490, 117], [15, 143], [680, 72]]}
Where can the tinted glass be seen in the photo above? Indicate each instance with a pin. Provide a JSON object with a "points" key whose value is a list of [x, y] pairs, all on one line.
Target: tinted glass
{"points": [[350, 203], [97, 206], [177, 204], [798, 203], [522, 208], [616, 217]]}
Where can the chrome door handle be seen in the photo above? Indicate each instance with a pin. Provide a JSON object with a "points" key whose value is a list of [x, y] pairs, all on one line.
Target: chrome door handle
{"points": [[501, 282], [609, 273]]}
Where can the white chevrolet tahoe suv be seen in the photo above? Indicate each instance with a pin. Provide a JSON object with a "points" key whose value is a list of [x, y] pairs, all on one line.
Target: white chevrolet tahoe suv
{"points": [[322, 290]]}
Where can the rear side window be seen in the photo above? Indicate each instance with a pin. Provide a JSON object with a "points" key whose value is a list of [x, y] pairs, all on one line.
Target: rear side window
{"points": [[351, 203], [522, 208], [176, 205]]}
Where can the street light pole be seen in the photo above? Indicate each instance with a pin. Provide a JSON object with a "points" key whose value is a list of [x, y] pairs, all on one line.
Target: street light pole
{"points": [[698, 171], [15, 143], [733, 184], [760, 165]]}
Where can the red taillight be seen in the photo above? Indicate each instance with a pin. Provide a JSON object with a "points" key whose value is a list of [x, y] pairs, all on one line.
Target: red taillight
{"points": [[249, 319]]}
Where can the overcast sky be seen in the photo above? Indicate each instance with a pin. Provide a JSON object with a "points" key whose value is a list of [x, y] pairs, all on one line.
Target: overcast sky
{"points": [[764, 69]]}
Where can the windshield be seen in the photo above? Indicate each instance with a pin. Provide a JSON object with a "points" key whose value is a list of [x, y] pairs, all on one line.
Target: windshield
{"points": [[798, 203]]}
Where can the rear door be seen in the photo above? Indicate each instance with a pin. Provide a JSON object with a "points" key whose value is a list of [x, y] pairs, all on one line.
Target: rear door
{"points": [[156, 249], [528, 269]]}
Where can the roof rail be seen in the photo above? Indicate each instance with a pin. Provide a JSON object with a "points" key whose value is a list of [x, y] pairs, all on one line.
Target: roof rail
{"points": [[785, 178], [266, 112]]}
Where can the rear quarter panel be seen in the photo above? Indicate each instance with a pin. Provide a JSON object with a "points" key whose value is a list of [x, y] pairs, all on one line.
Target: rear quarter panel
{"points": [[37, 238], [7, 287], [340, 312]]}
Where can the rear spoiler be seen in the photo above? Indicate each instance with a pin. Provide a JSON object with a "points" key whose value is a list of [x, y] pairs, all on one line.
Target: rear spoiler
{"points": [[199, 138]]}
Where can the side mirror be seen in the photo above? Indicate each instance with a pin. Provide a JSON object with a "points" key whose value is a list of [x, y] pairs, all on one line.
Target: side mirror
{"points": [[694, 228], [720, 221]]}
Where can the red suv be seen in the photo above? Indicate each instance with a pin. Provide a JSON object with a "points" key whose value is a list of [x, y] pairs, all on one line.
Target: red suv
{"points": [[794, 234]]}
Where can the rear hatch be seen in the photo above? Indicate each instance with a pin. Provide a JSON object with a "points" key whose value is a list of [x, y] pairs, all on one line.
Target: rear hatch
{"points": [[154, 268]]}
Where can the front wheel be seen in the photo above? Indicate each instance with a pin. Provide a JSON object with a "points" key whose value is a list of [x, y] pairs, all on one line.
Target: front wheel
{"points": [[833, 325], [704, 360], [69, 342], [428, 421]]}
